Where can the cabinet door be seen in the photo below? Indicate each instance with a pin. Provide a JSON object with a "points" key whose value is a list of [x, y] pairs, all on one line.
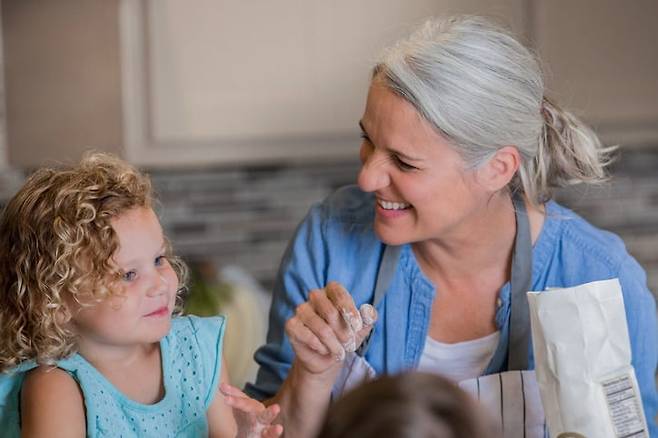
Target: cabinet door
{"points": [[245, 81], [602, 60]]}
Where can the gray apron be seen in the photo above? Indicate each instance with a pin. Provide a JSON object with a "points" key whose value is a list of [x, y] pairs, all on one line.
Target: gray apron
{"points": [[510, 397]]}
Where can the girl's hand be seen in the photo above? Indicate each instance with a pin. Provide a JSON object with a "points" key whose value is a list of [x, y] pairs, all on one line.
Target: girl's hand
{"points": [[326, 327], [254, 420]]}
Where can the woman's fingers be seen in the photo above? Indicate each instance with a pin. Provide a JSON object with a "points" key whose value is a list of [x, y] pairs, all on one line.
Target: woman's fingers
{"points": [[369, 314], [325, 332], [331, 313], [300, 334], [352, 319], [369, 317], [328, 324], [342, 300]]}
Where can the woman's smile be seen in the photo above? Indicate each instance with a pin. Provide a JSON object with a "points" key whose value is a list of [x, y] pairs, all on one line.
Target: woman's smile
{"points": [[390, 209]]}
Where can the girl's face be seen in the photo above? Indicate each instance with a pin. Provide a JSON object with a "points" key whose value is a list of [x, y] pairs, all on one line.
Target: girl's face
{"points": [[141, 312], [422, 186]]}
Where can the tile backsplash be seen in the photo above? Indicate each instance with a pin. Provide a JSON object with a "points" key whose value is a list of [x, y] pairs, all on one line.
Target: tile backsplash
{"points": [[245, 215]]}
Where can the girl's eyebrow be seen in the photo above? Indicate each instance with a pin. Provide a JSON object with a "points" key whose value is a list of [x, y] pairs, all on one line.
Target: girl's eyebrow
{"points": [[162, 249], [395, 151]]}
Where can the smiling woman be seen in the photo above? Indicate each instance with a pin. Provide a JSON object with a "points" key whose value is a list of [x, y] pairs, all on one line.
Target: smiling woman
{"points": [[451, 223]]}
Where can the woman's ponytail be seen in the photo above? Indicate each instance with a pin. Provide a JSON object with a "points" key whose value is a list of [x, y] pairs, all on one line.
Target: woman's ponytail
{"points": [[569, 153]]}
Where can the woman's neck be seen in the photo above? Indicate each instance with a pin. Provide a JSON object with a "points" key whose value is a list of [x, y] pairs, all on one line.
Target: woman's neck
{"points": [[481, 245]]}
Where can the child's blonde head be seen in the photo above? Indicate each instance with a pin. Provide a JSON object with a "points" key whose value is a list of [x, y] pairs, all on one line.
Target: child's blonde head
{"points": [[56, 245]]}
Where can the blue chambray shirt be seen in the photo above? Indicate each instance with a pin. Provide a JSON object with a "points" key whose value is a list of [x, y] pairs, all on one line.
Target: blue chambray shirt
{"points": [[336, 241]]}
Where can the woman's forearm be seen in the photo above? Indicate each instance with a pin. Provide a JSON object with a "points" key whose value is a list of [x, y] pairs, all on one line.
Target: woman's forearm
{"points": [[304, 398]]}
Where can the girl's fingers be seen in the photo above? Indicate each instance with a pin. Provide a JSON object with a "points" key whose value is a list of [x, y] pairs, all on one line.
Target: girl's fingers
{"points": [[239, 400], [242, 404], [268, 415], [273, 431], [228, 389]]}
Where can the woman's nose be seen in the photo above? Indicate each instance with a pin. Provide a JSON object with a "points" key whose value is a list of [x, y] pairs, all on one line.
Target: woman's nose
{"points": [[373, 174]]}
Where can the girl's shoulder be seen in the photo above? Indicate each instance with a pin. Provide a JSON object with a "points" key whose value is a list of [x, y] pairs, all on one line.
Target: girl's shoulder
{"points": [[193, 349], [52, 403], [188, 329]]}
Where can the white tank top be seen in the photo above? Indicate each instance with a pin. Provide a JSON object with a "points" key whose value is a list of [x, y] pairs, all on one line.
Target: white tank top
{"points": [[460, 361]]}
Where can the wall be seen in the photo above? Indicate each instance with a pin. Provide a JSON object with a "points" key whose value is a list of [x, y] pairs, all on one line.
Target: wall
{"points": [[62, 76], [168, 84]]}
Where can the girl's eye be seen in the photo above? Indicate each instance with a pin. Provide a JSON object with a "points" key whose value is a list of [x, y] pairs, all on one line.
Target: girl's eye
{"points": [[159, 261], [402, 165], [129, 276], [364, 136]]}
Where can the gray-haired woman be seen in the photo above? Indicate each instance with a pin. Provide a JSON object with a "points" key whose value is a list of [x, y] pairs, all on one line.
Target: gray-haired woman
{"points": [[450, 224]]}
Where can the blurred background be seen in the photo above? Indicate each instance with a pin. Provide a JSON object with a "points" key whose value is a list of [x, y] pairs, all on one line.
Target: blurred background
{"points": [[245, 113]]}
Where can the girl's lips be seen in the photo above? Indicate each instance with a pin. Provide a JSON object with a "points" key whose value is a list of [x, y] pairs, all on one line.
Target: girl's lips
{"points": [[162, 311]]}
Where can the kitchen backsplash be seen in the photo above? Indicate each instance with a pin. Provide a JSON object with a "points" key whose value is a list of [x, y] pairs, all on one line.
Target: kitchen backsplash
{"points": [[245, 215]]}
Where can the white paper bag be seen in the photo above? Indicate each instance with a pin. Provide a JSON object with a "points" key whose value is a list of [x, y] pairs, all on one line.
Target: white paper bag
{"points": [[583, 362]]}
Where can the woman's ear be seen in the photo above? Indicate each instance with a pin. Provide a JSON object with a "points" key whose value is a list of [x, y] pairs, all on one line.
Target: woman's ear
{"points": [[499, 170]]}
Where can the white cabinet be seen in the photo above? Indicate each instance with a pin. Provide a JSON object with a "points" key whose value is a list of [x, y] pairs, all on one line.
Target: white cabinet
{"points": [[237, 81], [171, 82], [601, 59]]}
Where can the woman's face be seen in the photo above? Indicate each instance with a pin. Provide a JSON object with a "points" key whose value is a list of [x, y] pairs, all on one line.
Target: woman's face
{"points": [[421, 184]]}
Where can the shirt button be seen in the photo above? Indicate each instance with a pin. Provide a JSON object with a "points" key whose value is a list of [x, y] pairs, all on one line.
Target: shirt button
{"points": [[499, 302]]}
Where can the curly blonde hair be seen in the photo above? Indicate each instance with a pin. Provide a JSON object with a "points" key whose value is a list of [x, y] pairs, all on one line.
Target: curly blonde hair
{"points": [[56, 243]]}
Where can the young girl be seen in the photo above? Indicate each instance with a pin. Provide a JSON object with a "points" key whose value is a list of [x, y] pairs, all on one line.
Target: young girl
{"points": [[88, 341]]}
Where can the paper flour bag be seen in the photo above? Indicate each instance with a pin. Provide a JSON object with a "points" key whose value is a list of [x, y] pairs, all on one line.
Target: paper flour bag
{"points": [[583, 362]]}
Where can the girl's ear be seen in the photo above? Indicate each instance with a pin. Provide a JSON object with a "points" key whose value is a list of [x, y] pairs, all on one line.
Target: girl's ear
{"points": [[496, 173]]}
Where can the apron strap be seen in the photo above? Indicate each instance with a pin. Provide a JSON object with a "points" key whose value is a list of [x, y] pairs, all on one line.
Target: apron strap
{"points": [[385, 274], [520, 284]]}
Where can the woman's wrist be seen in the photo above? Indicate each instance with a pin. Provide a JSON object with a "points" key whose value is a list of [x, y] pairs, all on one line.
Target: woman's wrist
{"points": [[322, 381], [304, 398]]}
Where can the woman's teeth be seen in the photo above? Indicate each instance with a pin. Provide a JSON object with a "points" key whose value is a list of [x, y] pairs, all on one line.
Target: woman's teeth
{"points": [[393, 205]]}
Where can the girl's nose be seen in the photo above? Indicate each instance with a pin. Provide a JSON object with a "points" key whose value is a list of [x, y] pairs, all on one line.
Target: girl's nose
{"points": [[373, 174], [160, 284]]}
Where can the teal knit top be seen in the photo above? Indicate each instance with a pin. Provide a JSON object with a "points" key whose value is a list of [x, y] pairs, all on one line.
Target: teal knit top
{"points": [[191, 362]]}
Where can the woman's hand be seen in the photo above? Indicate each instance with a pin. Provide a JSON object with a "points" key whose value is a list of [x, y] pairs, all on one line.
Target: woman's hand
{"points": [[253, 419], [328, 326]]}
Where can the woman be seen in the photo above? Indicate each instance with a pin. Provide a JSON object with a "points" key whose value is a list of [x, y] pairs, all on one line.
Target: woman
{"points": [[450, 224]]}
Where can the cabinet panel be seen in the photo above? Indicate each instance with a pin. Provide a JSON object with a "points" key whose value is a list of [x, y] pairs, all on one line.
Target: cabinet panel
{"points": [[253, 81], [602, 59]]}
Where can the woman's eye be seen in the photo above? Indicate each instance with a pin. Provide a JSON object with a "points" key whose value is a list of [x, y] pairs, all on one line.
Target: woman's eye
{"points": [[159, 261], [402, 165], [129, 276]]}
